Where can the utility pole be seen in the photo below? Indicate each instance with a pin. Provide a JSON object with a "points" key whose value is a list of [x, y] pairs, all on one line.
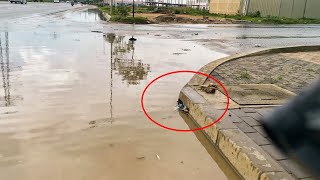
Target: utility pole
{"points": [[133, 8], [111, 6], [247, 7]]}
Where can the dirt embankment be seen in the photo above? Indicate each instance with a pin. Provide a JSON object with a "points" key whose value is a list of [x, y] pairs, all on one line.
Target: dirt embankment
{"points": [[185, 19]]}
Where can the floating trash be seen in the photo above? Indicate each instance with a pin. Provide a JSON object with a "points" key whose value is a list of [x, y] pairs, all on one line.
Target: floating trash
{"points": [[181, 107]]}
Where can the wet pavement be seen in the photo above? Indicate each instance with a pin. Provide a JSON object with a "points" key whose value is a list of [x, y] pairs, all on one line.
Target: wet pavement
{"points": [[71, 88]]}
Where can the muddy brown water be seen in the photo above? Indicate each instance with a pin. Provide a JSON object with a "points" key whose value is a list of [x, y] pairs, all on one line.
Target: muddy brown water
{"points": [[70, 102]]}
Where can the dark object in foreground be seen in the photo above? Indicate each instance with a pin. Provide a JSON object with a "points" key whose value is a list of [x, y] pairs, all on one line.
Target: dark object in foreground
{"points": [[295, 128]]}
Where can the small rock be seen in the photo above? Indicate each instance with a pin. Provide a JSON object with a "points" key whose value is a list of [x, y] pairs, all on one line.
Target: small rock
{"points": [[157, 35], [210, 89], [181, 162], [196, 34], [92, 122], [257, 45], [148, 33]]}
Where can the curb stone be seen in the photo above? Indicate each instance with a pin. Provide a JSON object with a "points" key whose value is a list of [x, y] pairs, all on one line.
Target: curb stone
{"points": [[249, 159]]}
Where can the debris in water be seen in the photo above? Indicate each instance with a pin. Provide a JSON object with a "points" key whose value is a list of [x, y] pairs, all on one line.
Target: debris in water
{"points": [[92, 122], [140, 157], [158, 157], [178, 53], [181, 106], [257, 45], [186, 49], [132, 39], [196, 34], [95, 31], [181, 162], [157, 35]]}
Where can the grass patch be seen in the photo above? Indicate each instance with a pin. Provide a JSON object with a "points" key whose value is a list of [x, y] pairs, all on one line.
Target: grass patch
{"points": [[129, 20], [254, 17], [273, 80], [120, 14], [244, 75]]}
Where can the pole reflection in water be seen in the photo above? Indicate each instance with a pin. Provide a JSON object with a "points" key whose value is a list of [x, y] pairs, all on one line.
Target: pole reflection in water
{"points": [[110, 38], [130, 69], [5, 69], [123, 63]]}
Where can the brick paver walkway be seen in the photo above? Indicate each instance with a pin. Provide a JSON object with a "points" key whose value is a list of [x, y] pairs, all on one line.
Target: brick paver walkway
{"points": [[248, 120], [291, 71]]}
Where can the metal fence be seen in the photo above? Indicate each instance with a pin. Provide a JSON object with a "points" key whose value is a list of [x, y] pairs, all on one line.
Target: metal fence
{"points": [[286, 8], [280, 8]]}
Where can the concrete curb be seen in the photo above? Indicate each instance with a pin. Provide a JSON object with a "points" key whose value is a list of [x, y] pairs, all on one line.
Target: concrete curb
{"points": [[207, 69], [246, 157]]}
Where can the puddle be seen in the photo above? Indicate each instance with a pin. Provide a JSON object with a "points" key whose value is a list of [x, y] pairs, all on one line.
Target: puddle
{"points": [[87, 15], [71, 88], [71, 97], [212, 150]]}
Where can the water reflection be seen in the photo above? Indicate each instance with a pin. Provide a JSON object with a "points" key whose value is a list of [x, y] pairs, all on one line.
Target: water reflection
{"points": [[5, 69], [123, 62], [89, 15], [110, 38]]}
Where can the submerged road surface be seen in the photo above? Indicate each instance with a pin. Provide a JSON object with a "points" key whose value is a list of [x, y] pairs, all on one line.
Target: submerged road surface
{"points": [[71, 88]]}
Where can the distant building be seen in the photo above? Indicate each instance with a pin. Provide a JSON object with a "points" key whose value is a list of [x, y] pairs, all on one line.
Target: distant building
{"points": [[278, 8]]}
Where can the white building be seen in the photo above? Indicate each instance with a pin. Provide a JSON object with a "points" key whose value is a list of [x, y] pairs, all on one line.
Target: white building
{"points": [[202, 4]]}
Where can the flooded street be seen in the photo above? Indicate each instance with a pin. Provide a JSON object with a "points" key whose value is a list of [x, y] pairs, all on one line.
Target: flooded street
{"points": [[71, 89]]}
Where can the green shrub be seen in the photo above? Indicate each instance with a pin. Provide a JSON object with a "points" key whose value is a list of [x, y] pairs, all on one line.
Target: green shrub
{"points": [[129, 20], [122, 11], [255, 14], [177, 11]]}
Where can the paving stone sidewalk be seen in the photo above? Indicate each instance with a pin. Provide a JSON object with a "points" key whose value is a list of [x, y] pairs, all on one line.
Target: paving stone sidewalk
{"points": [[290, 71]]}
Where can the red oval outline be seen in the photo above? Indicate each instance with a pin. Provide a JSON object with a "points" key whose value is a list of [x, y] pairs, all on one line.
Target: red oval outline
{"points": [[185, 130]]}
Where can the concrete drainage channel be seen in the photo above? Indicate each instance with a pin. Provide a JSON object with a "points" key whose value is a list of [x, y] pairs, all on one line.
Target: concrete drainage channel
{"points": [[239, 136]]}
